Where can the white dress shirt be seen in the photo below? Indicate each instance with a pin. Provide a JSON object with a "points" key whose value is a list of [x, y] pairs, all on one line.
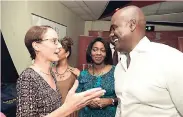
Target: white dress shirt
{"points": [[152, 86]]}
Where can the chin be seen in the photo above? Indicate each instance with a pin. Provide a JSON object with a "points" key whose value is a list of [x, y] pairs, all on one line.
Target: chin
{"points": [[98, 63], [54, 59]]}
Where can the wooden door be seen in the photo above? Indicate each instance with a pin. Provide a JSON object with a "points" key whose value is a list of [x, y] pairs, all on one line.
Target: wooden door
{"points": [[180, 43]]}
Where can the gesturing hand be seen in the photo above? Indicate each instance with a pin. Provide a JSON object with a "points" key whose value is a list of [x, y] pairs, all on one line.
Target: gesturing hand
{"points": [[76, 101]]}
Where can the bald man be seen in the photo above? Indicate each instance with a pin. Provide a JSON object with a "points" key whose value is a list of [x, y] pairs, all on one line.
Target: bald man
{"points": [[149, 77]]}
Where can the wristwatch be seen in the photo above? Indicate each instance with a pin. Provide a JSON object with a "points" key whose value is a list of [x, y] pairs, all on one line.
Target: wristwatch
{"points": [[112, 101]]}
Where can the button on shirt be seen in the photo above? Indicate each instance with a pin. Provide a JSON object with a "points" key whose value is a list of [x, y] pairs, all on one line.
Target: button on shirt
{"points": [[152, 85]]}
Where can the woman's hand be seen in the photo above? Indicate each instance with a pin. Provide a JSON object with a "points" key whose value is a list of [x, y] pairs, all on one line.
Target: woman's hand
{"points": [[75, 71], [75, 101], [93, 103], [103, 102]]}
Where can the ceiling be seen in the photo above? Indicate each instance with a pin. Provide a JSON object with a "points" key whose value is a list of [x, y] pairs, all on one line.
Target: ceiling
{"points": [[87, 10], [168, 11]]}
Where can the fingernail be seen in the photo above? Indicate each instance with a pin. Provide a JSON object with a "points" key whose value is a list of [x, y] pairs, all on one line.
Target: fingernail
{"points": [[103, 92], [99, 88]]}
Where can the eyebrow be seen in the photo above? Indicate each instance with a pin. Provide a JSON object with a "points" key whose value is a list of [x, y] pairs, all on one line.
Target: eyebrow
{"points": [[98, 48], [51, 38], [113, 26]]}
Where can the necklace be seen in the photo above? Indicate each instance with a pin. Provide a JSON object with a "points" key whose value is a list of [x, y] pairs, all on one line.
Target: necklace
{"points": [[61, 75], [45, 73], [98, 78], [100, 73], [41, 70]]}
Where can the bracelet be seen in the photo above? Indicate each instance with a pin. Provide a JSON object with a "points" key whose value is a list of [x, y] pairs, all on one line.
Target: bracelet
{"points": [[112, 101]]}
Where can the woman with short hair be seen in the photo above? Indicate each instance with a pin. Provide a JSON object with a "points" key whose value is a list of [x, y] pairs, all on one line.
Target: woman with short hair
{"points": [[37, 92]]}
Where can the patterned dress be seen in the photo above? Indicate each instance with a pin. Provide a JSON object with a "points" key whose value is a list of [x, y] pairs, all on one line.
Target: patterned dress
{"points": [[105, 81], [35, 96]]}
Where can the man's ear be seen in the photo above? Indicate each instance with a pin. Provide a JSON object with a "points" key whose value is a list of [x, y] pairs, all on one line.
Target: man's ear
{"points": [[35, 46], [133, 24]]}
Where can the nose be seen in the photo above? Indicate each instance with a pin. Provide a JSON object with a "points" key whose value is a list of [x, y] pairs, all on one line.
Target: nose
{"points": [[111, 34], [99, 52], [59, 45]]}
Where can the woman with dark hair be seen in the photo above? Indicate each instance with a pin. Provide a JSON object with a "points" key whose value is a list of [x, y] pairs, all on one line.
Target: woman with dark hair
{"points": [[101, 74], [65, 74], [37, 92]]}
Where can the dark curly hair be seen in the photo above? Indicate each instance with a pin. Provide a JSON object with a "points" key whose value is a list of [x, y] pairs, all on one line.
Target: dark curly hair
{"points": [[66, 43]]}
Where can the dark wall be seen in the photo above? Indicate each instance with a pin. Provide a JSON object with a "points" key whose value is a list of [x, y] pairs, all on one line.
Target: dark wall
{"points": [[8, 71], [9, 77]]}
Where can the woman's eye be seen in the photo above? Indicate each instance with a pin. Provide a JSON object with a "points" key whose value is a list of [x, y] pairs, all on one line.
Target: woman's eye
{"points": [[103, 50], [94, 50]]}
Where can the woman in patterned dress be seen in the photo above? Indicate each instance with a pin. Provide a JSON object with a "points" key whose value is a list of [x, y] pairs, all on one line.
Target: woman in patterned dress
{"points": [[65, 74], [37, 92], [101, 74]]}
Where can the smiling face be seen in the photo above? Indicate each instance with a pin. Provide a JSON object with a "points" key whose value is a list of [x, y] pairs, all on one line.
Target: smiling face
{"points": [[121, 33], [128, 28], [98, 53]]}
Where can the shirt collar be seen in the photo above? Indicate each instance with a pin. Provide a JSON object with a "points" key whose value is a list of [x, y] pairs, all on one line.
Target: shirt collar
{"points": [[142, 46], [111, 46]]}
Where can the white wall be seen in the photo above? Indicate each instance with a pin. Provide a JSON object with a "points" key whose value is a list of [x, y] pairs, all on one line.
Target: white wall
{"points": [[105, 26], [16, 20], [0, 14]]}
